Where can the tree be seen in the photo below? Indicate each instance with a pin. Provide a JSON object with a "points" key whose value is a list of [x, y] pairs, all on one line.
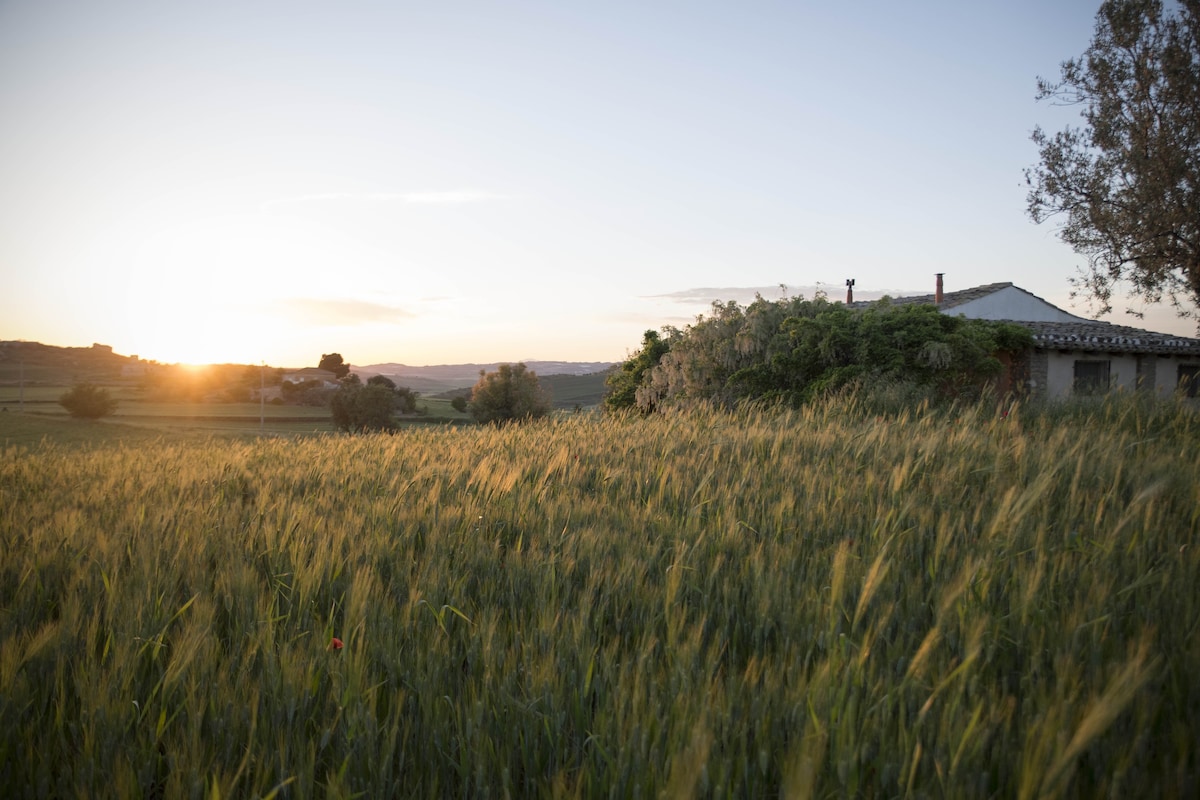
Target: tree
{"points": [[356, 408], [459, 403], [511, 393], [623, 381], [405, 398], [1127, 184], [332, 362], [795, 350], [86, 401]]}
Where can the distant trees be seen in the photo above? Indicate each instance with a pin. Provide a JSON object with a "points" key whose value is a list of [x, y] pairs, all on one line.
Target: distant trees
{"points": [[332, 362], [406, 399], [357, 408], [511, 393], [87, 401], [459, 403], [794, 350]]}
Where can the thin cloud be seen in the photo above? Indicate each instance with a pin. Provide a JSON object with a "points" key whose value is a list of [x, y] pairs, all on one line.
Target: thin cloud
{"points": [[742, 294], [455, 197], [746, 294], [323, 311]]}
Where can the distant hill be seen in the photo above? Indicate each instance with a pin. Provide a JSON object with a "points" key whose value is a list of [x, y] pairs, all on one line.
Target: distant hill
{"points": [[33, 363], [438, 378]]}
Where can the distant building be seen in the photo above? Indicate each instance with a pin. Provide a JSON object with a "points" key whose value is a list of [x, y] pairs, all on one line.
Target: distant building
{"points": [[326, 378]]}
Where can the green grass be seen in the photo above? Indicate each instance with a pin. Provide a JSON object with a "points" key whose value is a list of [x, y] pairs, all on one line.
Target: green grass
{"points": [[824, 603]]}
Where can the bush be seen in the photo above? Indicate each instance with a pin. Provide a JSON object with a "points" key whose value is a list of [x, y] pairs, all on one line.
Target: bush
{"points": [[510, 394], [797, 350], [356, 408], [86, 401]]}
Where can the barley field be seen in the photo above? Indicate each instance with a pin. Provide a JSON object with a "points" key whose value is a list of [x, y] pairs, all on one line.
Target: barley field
{"points": [[829, 602]]}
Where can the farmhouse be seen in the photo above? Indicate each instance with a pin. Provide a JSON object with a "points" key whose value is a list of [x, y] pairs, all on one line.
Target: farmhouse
{"points": [[1074, 356], [326, 378]]}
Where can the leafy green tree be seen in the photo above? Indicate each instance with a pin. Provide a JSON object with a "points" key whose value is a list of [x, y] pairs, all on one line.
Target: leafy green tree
{"points": [[406, 399], [87, 401], [794, 350], [512, 393], [459, 403], [1125, 185], [623, 381], [356, 408], [332, 362]]}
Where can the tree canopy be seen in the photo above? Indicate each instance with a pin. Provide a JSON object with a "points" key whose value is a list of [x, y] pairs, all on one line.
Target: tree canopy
{"points": [[332, 362], [793, 350], [1126, 185], [356, 408], [623, 381], [512, 393]]}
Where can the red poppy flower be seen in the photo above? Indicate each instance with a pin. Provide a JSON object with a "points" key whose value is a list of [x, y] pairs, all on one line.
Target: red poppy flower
{"points": [[335, 644]]}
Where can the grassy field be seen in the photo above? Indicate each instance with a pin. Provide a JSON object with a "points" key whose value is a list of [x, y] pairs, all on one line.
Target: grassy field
{"points": [[824, 603], [224, 418]]}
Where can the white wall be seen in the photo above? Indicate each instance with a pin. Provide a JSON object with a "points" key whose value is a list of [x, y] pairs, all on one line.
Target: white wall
{"points": [[1012, 303], [1060, 378], [1166, 374]]}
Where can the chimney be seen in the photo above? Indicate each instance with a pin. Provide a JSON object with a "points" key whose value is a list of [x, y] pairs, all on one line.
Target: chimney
{"points": [[849, 291], [937, 295]]}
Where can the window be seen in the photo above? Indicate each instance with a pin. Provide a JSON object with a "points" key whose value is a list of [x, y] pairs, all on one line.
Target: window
{"points": [[1091, 377], [1189, 380]]}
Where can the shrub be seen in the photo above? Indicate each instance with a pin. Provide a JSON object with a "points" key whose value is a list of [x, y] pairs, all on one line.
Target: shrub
{"points": [[357, 408], [509, 394], [87, 401]]}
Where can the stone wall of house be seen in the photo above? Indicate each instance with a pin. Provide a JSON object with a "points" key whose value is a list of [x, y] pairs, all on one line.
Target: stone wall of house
{"points": [[1147, 369]]}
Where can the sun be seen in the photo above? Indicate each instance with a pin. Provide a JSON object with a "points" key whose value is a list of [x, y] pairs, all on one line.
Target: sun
{"points": [[206, 334]]}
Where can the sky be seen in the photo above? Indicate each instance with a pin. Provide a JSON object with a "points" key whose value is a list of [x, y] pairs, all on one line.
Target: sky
{"points": [[468, 181]]}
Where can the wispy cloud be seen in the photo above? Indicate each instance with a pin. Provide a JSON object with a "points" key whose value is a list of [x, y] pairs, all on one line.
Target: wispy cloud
{"points": [[742, 294], [747, 294], [334, 311], [453, 197]]}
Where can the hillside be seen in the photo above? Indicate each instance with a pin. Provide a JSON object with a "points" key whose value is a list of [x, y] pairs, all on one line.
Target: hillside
{"points": [[570, 382], [34, 363]]}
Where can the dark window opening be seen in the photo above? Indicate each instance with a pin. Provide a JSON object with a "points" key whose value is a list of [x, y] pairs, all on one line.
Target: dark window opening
{"points": [[1091, 377]]}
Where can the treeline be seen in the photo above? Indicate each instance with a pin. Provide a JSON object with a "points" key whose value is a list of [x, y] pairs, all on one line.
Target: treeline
{"points": [[793, 350]]}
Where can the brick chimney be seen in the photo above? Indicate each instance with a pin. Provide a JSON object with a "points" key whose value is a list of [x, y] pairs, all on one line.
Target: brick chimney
{"points": [[937, 295], [849, 291]]}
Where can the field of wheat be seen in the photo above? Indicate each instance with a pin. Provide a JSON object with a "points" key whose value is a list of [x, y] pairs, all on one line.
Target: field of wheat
{"points": [[818, 603]]}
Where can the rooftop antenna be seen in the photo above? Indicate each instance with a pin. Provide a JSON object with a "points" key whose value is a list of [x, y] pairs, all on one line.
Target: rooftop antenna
{"points": [[849, 291]]}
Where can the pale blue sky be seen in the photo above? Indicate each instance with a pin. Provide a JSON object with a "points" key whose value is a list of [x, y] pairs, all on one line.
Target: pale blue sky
{"points": [[449, 181]]}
